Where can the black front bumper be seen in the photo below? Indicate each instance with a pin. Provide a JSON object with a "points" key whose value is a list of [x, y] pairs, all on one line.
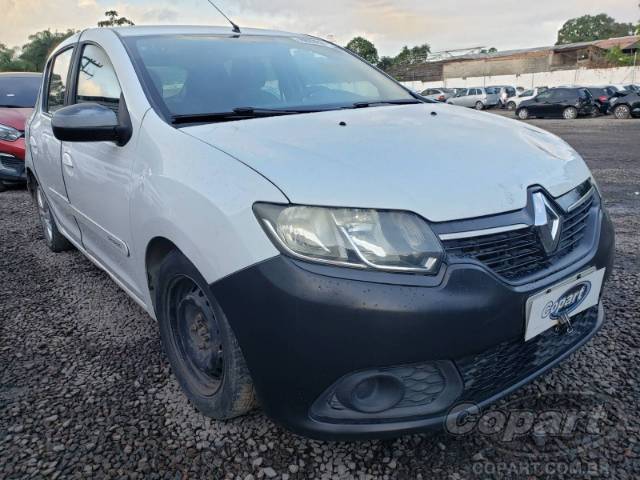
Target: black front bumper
{"points": [[12, 169], [302, 328]]}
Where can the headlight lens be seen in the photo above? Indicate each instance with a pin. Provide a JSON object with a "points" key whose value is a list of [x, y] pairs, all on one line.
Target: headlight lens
{"points": [[372, 239], [9, 134]]}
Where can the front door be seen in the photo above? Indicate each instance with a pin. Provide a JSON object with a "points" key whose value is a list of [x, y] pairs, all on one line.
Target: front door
{"points": [[98, 174]]}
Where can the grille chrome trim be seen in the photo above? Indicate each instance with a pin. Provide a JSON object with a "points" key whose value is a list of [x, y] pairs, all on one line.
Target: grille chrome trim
{"points": [[481, 233], [584, 198]]}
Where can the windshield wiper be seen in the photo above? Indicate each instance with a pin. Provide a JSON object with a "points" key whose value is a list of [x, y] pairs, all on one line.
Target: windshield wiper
{"points": [[240, 113], [408, 101]]}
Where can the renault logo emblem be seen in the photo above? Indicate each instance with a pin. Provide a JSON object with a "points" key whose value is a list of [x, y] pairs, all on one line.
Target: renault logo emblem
{"points": [[546, 222]]}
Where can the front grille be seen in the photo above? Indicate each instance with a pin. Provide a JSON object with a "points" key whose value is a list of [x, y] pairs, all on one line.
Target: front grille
{"points": [[494, 370], [519, 253], [9, 161]]}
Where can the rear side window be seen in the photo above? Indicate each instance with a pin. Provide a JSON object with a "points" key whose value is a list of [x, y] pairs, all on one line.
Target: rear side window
{"points": [[493, 91], [97, 81], [58, 80]]}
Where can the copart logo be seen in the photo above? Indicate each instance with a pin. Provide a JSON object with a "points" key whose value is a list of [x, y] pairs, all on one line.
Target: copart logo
{"points": [[568, 302], [551, 424]]}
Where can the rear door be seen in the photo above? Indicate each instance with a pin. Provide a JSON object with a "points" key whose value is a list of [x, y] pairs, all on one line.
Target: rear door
{"points": [[98, 174], [46, 150], [473, 95]]}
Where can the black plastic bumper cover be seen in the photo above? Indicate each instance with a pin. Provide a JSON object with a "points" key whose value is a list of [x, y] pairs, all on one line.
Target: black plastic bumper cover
{"points": [[301, 328]]}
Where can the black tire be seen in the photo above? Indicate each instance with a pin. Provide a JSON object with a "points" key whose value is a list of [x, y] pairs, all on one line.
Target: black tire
{"points": [[511, 106], [622, 112], [52, 236], [3, 187], [201, 347], [523, 114], [570, 113], [479, 106]]}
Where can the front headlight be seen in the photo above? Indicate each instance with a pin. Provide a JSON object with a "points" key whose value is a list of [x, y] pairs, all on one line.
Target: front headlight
{"points": [[9, 134], [370, 239]]}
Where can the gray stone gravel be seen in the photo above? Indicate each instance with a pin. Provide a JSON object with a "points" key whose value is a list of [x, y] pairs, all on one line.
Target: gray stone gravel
{"points": [[85, 390]]}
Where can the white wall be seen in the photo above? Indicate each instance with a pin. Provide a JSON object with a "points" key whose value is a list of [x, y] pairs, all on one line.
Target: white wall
{"points": [[603, 76]]}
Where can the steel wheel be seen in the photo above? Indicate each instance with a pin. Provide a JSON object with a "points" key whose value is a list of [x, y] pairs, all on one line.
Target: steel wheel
{"points": [[523, 114], [195, 333], [622, 112], [570, 113], [45, 215]]}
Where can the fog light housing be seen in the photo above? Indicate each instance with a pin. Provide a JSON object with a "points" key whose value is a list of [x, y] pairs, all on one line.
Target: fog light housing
{"points": [[371, 393]]}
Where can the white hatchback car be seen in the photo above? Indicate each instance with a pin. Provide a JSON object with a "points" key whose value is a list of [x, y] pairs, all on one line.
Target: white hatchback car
{"points": [[514, 102], [309, 233]]}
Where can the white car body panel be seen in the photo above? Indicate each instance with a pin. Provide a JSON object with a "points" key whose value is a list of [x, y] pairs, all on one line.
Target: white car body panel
{"points": [[196, 186], [398, 157]]}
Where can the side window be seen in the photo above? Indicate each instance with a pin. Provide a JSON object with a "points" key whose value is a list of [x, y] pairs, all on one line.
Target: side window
{"points": [[57, 86], [528, 93], [546, 95], [97, 81]]}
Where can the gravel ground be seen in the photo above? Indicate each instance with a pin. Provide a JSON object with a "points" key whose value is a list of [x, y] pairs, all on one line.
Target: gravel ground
{"points": [[85, 389]]}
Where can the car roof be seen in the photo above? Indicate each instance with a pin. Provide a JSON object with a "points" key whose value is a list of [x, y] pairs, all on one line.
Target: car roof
{"points": [[135, 31], [149, 30]]}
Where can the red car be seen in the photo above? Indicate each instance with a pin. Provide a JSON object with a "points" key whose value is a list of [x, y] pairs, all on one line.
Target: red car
{"points": [[18, 93]]}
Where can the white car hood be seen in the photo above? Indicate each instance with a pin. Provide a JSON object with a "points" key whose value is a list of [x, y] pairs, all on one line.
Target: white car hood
{"points": [[442, 162]]}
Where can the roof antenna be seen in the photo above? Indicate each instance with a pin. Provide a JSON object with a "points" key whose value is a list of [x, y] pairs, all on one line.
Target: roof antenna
{"points": [[236, 28]]}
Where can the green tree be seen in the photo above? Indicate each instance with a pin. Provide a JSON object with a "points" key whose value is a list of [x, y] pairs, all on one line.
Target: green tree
{"points": [[589, 28], [364, 48], [6, 55], [385, 63], [412, 56], [114, 20], [615, 56], [35, 52]]}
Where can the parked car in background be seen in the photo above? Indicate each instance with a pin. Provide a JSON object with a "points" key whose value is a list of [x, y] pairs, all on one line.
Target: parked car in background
{"points": [[568, 103], [629, 87], [476, 97], [601, 96], [505, 92], [437, 94], [624, 105], [18, 92], [223, 201], [514, 102]]}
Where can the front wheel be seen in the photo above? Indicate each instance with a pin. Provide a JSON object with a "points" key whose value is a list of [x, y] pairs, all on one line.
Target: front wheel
{"points": [[523, 114], [55, 240], [622, 112], [479, 106], [570, 113], [202, 349], [511, 106]]}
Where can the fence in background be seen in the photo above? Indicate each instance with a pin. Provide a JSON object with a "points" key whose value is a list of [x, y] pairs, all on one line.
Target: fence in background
{"points": [[603, 76]]}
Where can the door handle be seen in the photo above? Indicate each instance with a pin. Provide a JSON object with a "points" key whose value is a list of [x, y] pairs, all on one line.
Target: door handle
{"points": [[33, 144], [66, 160]]}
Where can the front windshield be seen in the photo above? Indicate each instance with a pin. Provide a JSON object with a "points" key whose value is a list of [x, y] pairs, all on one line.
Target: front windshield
{"points": [[19, 91], [196, 74]]}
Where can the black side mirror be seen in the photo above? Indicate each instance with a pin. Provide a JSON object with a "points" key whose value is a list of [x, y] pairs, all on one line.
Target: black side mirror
{"points": [[92, 122]]}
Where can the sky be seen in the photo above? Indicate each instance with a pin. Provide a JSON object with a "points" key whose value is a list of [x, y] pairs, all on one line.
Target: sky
{"points": [[504, 24]]}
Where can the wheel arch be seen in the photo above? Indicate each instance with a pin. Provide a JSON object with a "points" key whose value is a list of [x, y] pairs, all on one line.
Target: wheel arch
{"points": [[157, 250]]}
